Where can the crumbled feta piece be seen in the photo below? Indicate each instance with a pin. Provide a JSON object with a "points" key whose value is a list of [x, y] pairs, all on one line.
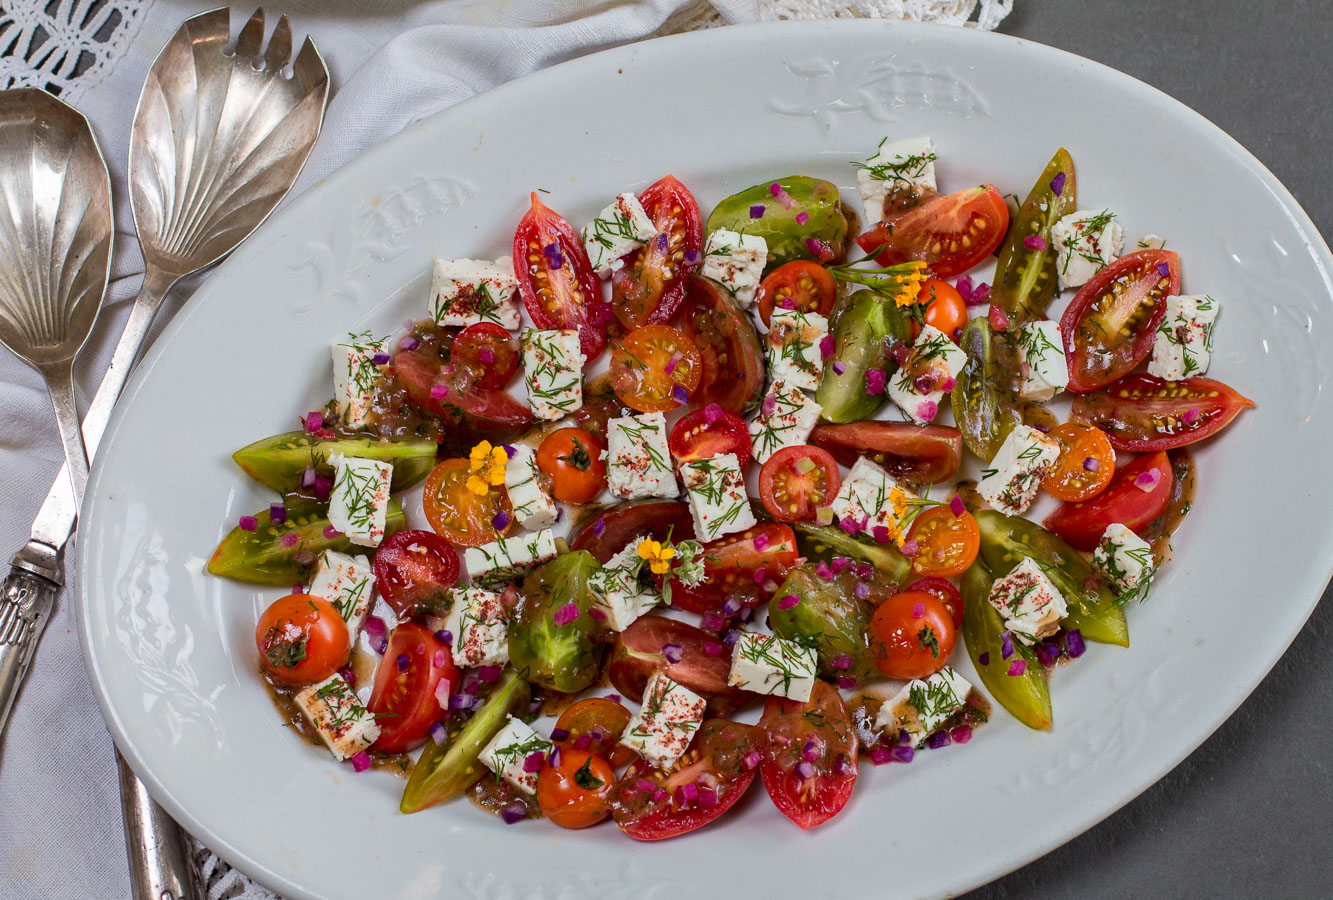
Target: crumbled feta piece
{"points": [[1183, 344], [1152, 242], [464, 292], [354, 374], [638, 462], [619, 592], [507, 754], [359, 502], [619, 229], [662, 729], [922, 707], [786, 418], [772, 665], [863, 501], [716, 490], [345, 726], [553, 372], [500, 562], [533, 507], [1041, 357], [736, 261], [899, 166], [1032, 607], [348, 583], [921, 383], [1127, 562], [1085, 242], [479, 625], [1009, 484], [794, 356]]}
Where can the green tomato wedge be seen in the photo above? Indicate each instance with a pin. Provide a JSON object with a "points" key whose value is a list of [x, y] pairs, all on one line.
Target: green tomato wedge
{"points": [[446, 770], [263, 557], [787, 238], [279, 461], [828, 618], [1025, 278], [1008, 540], [561, 657], [860, 324], [827, 542], [984, 406], [1026, 696]]}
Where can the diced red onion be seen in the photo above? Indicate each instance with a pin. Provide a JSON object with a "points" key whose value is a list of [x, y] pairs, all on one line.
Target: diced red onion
{"points": [[731, 606], [692, 257], [956, 506], [690, 790], [900, 352], [881, 756], [1092, 464], [614, 698], [910, 548], [489, 674], [533, 761], [780, 194], [961, 734], [761, 543], [248, 523], [746, 612], [1017, 667], [875, 380], [1148, 481], [409, 343], [731, 637], [1058, 184], [460, 701], [983, 658], [712, 412], [839, 563], [471, 686], [314, 421], [514, 813], [672, 362], [673, 652], [1190, 416], [597, 614], [881, 533], [380, 359], [643, 784], [812, 750], [818, 249], [659, 795], [948, 384], [361, 761], [939, 739], [788, 601], [850, 525], [714, 649], [554, 258], [1164, 270], [583, 742], [599, 527], [1047, 653], [323, 487], [439, 391], [750, 760], [924, 383], [839, 367], [823, 571], [438, 734], [679, 394], [1006, 645], [902, 753], [707, 797], [308, 478], [712, 621], [1074, 645], [501, 520], [486, 355], [999, 319], [802, 217], [981, 295], [861, 591], [757, 211], [918, 610], [964, 287], [842, 662], [846, 682], [290, 539], [1034, 242], [805, 769], [566, 614], [440, 658], [445, 637], [787, 303], [555, 757], [559, 734], [403, 662], [864, 570], [827, 346], [770, 404], [330, 532]]}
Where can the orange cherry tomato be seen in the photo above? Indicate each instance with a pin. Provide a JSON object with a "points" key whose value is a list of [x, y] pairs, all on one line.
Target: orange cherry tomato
{"points": [[946, 544], [650, 363], [912, 635], [577, 792], [945, 307], [573, 459], [302, 639], [457, 514], [595, 725], [1086, 464], [800, 285]]}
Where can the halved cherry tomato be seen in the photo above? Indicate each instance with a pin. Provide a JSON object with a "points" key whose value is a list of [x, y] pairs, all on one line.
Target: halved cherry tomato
{"points": [[650, 804], [404, 701], [650, 363], [809, 755], [1086, 464], [573, 459], [705, 433], [595, 724], [302, 639], [733, 356], [949, 232], [488, 350], [800, 285], [912, 635], [1109, 326], [628, 521], [1138, 494], [920, 454], [797, 481], [703, 665], [556, 280], [946, 543], [575, 790], [945, 308], [945, 590], [738, 567], [414, 571], [652, 282], [457, 514], [1144, 412], [494, 414]]}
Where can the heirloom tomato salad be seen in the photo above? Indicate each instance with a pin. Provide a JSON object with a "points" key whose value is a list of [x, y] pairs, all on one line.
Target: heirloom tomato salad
{"points": [[693, 505]]}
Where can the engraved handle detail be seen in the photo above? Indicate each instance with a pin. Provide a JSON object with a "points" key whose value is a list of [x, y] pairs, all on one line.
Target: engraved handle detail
{"points": [[25, 605]]}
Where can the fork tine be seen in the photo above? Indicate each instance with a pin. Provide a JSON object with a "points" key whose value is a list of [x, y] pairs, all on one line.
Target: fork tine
{"points": [[279, 47], [309, 68], [251, 40]]}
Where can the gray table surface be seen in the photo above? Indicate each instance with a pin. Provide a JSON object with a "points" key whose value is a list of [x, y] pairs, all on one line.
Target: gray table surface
{"points": [[1250, 813]]}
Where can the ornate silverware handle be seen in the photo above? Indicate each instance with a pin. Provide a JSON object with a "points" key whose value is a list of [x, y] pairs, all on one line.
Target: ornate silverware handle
{"points": [[160, 864], [25, 605]]}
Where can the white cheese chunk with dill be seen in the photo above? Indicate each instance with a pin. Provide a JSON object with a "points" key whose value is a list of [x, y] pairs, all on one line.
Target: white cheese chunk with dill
{"points": [[1041, 359], [863, 500], [359, 501], [338, 716], [479, 627], [354, 375], [1031, 605], [533, 507], [736, 261], [466, 292], [1183, 344], [662, 729], [1085, 242], [618, 230], [638, 461], [786, 418], [619, 591], [921, 383], [794, 355], [508, 753], [1010, 481], [348, 583], [715, 488], [553, 372], [1126, 561], [500, 562], [772, 665], [922, 707], [897, 166]]}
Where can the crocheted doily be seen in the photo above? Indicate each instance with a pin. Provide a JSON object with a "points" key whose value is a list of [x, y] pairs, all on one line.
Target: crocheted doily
{"points": [[64, 46]]}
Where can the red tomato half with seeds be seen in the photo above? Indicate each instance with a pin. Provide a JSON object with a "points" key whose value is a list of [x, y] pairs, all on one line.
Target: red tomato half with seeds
{"points": [[733, 355], [809, 755], [404, 700], [797, 481], [1137, 495], [414, 571], [738, 566], [651, 284], [556, 280], [800, 285], [917, 453], [695, 437], [490, 352], [951, 233], [1144, 412]]}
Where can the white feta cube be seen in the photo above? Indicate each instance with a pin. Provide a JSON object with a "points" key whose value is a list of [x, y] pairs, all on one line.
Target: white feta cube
{"points": [[1085, 242], [864, 503], [619, 592], [736, 261], [716, 490], [772, 665], [479, 625], [553, 372], [1183, 345], [618, 230], [1126, 561], [1009, 484], [638, 462], [794, 354], [354, 375], [507, 754], [662, 729], [500, 562], [1032, 607], [901, 166], [347, 582], [359, 502], [465, 292], [533, 507], [1041, 358], [343, 723], [922, 707], [921, 383], [786, 418]]}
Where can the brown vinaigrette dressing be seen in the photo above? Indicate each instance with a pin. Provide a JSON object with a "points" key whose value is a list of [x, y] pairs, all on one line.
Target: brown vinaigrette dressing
{"points": [[1158, 532], [284, 700], [865, 705], [492, 794]]}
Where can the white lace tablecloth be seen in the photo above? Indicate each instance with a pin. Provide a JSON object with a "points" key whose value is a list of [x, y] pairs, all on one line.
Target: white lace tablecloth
{"points": [[392, 62]]}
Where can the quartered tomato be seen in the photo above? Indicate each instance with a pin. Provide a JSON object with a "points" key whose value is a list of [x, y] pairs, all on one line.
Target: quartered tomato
{"points": [[809, 755], [450, 393], [302, 639], [800, 285], [573, 459], [414, 571], [949, 232], [404, 699], [912, 635], [797, 481], [1086, 464], [709, 432], [595, 724], [702, 664], [733, 356], [945, 590], [946, 543], [1138, 494], [489, 351], [651, 364], [650, 804], [738, 566], [556, 280], [456, 513], [607, 534], [945, 308], [652, 282], [574, 788], [1108, 327], [920, 454], [1144, 412]]}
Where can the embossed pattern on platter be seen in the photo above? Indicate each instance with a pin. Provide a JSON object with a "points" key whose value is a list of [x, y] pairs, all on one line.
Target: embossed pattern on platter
{"points": [[877, 86]]}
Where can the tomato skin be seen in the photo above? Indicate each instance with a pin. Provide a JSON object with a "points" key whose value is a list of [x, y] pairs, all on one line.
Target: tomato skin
{"points": [[650, 364], [733, 355], [469, 350], [948, 543], [651, 284], [404, 699], [576, 793], [792, 496], [1137, 412], [731, 564], [1081, 525], [694, 437], [595, 724], [789, 729], [944, 589], [806, 286], [414, 571], [924, 454], [1069, 478], [899, 643], [928, 231], [627, 521], [568, 296], [457, 514], [321, 640], [637, 654], [494, 414], [573, 459]]}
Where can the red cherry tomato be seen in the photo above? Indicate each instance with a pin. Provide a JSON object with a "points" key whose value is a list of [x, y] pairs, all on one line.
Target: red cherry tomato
{"points": [[922, 454], [573, 459], [951, 233], [695, 437], [809, 755], [945, 590], [404, 700], [797, 481], [652, 282], [556, 280], [912, 635], [414, 571], [302, 639], [491, 414], [1137, 495], [1143, 412], [490, 352], [798, 285], [738, 566]]}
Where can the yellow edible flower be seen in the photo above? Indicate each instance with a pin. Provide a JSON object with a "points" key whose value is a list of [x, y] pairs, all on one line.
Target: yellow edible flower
{"points": [[487, 463], [907, 278], [658, 557]]}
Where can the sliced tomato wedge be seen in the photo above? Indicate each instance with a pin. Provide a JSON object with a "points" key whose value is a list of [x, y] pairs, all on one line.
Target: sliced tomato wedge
{"points": [[798, 285], [450, 393], [1138, 494], [1108, 327], [490, 352], [733, 356], [404, 699], [1144, 412], [809, 755], [702, 665], [705, 433], [652, 282], [607, 534], [737, 567], [951, 233], [556, 280], [921, 454], [797, 481], [414, 571]]}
